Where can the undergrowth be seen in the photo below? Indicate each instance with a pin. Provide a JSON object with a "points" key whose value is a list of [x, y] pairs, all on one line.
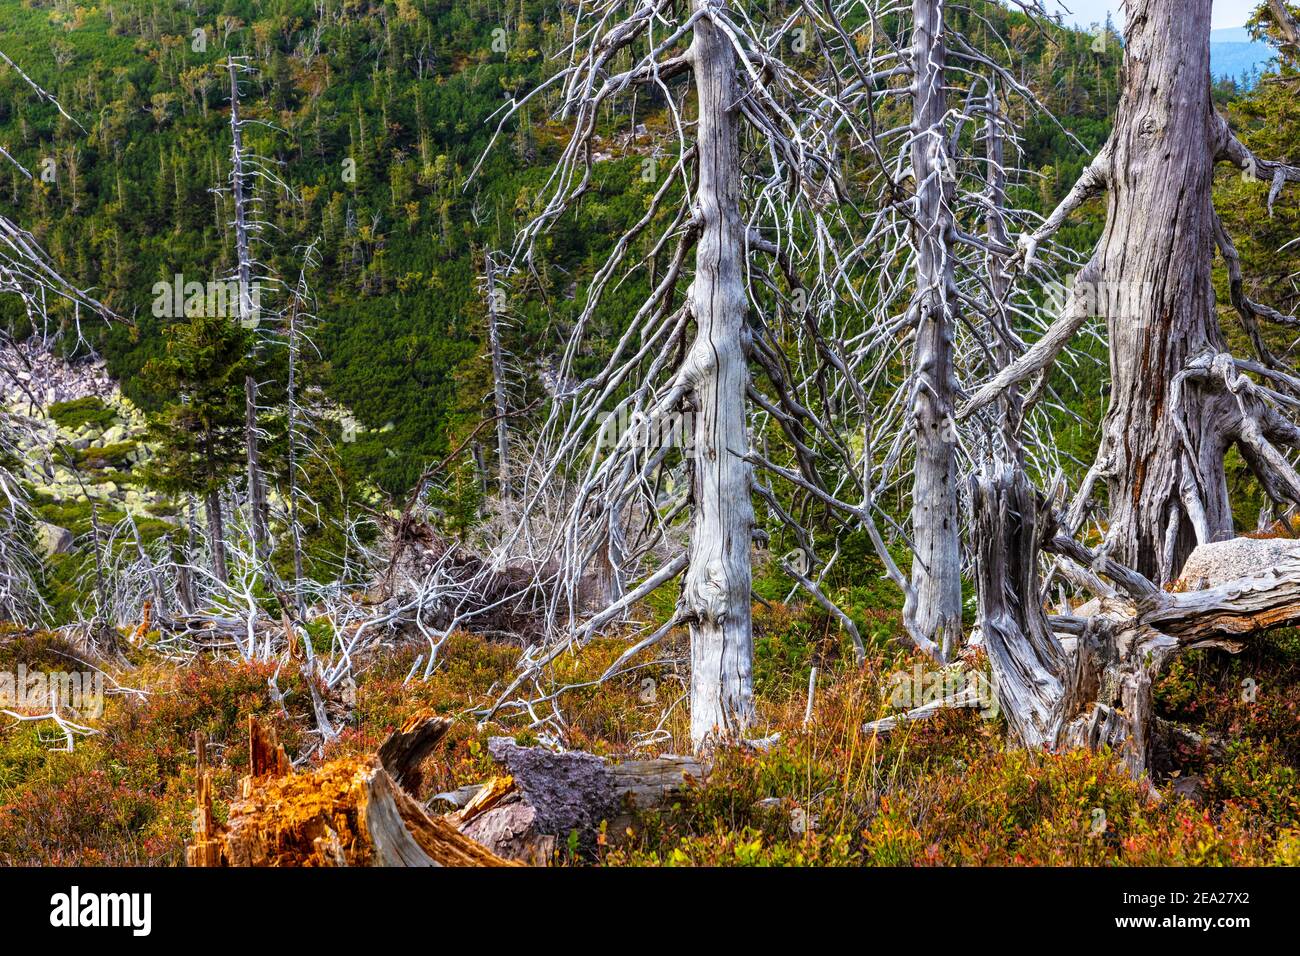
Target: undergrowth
{"points": [[945, 791]]}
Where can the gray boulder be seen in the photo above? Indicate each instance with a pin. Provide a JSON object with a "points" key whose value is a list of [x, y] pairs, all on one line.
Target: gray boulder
{"points": [[114, 435], [53, 539], [1222, 561]]}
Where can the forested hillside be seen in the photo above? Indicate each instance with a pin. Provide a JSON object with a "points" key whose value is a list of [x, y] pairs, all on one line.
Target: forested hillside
{"points": [[376, 114]]}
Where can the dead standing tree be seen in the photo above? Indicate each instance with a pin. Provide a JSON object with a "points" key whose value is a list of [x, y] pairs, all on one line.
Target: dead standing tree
{"points": [[495, 294], [247, 172], [1179, 401], [754, 181], [947, 303], [936, 532]]}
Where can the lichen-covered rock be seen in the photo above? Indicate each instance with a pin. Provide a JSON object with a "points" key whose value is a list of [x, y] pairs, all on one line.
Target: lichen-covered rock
{"points": [[568, 791], [53, 539], [1221, 561]]}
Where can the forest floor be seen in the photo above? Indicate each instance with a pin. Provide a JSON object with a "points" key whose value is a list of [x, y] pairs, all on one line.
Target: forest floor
{"points": [[944, 791]]}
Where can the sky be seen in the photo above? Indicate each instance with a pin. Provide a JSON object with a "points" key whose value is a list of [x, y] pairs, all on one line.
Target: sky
{"points": [[1227, 13]]}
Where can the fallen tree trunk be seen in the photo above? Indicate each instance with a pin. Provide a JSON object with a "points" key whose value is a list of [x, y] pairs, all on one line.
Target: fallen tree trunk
{"points": [[353, 812], [404, 751]]}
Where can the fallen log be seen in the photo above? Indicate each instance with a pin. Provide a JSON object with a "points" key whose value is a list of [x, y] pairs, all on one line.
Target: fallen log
{"points": [[353, 812]]}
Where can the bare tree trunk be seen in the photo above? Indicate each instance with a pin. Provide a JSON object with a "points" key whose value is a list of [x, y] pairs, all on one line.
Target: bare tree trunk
{"points": [[1098, 696], [1286, 23], [295, 517], [248, 319], [256, 487], [1163, 443], [1098, 693], [936, 564], [1030, 667], [498, 378], [216, 535], [717, 588], [1179, 400]]}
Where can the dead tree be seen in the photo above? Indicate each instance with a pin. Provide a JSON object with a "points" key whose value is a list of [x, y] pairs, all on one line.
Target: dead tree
{"points": [[346, 813], [936, 532], [495, 306], [948, 301], [1178, 399], [299, 320], [1068, 681], [1287, 24], [244, 169], [749, 217], [1179, 402], [20, 563]]}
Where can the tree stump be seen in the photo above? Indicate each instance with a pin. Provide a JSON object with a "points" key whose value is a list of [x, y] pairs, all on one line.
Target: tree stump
{"points": [[348, 812]]}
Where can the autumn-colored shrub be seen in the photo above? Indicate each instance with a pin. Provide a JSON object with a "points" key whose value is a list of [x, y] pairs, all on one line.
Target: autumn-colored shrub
{"points": [[946, 791]]}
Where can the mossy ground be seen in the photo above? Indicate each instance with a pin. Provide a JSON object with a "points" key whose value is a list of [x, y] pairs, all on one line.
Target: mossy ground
{"points": [[946, 791]]}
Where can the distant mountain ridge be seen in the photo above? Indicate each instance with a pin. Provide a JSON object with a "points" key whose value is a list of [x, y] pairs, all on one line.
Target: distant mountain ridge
{"points": [[1233, 54]]}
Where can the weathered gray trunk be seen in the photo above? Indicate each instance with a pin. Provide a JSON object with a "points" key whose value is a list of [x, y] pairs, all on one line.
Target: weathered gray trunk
{"points": [[1164, 442], [1178, 402], [256, 486], [295, 516], [248, 319], [1286, 23], [498, 379], [936, 563], [716, 591], [1096, 693], [1029, 666]]}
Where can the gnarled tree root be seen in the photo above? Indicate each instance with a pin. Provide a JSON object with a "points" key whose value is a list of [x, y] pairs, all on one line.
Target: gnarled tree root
{"points": [[1096, 690]]}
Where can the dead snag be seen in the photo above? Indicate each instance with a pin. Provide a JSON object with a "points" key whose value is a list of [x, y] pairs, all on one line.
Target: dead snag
{"points": [[206, 849], [266, 756], [1029, 665], [1094, 688]]}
